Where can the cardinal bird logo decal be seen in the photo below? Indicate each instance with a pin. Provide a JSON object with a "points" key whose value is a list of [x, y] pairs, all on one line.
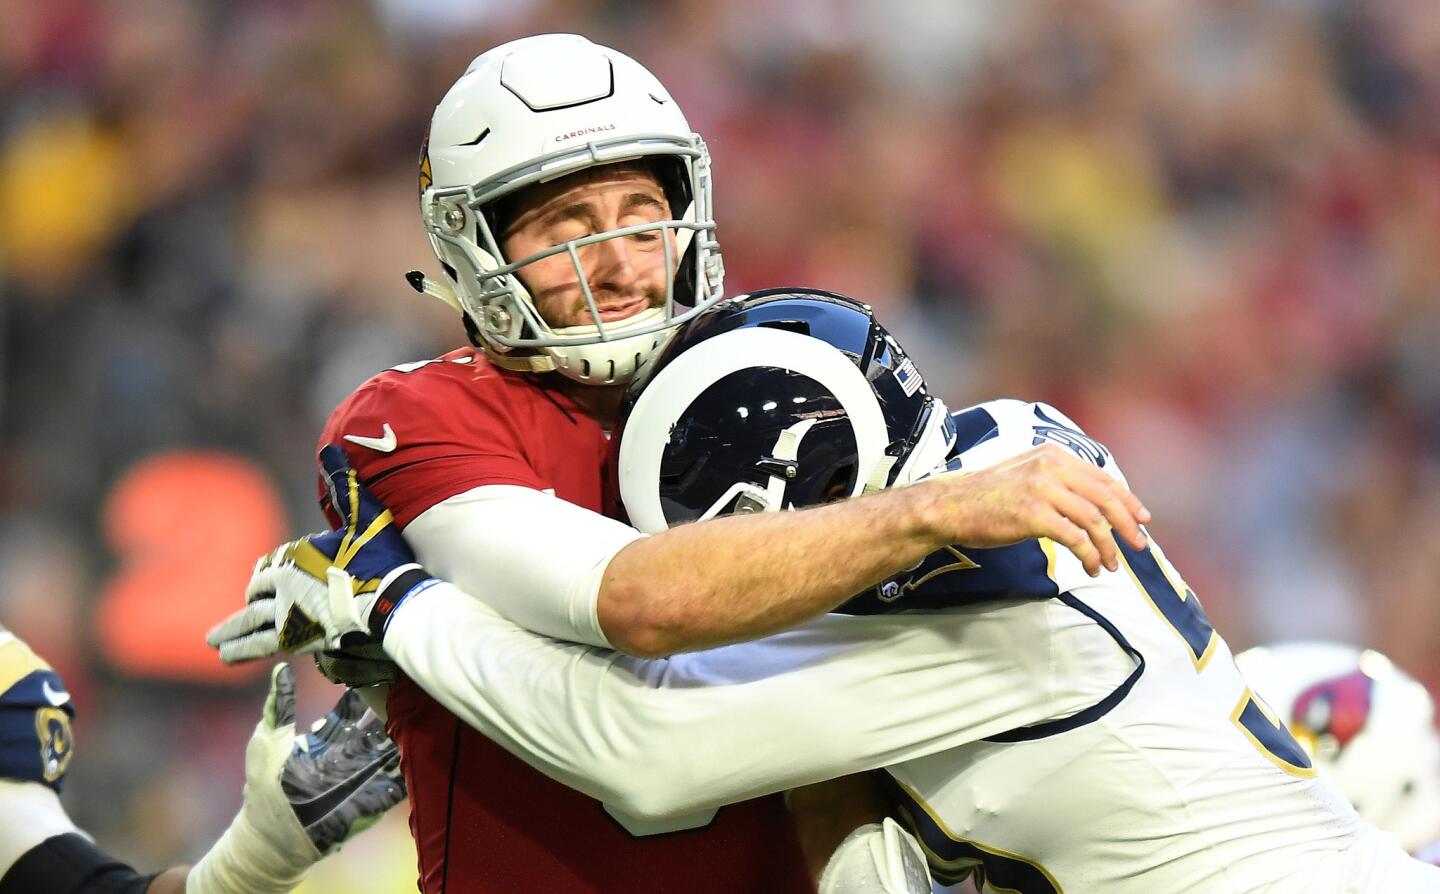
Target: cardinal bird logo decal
{"points": [[1331, 713]]}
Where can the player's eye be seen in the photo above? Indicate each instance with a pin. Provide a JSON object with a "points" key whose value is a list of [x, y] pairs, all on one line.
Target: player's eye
{"points": [[568, 232]]}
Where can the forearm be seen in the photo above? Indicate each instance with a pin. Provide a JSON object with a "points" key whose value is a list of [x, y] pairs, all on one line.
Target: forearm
{"points": [[730, 579], [738, 578], [245, 860], [532, 557], [71, 863], [658, 738]]}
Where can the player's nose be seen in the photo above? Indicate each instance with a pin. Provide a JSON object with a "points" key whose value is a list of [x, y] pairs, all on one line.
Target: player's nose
{"points": [[619, 274], [613, 257]]}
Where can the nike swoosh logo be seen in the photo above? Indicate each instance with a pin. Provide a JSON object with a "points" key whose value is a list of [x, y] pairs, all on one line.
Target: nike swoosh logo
{"points": [[385, 443], [56, 698], [322, 805]]}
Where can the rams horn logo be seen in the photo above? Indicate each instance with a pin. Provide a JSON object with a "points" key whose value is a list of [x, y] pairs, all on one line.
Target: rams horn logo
{"points": [[57, 743]]}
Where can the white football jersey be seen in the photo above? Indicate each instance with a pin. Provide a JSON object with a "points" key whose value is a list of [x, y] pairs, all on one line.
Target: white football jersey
{"points": [[1181, 780], [1044, 731]]}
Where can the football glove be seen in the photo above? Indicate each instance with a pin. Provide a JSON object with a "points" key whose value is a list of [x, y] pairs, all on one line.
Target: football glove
{"points": [[357, 666], [325, 591], [304, 797], [877, 858], [343, 775]]}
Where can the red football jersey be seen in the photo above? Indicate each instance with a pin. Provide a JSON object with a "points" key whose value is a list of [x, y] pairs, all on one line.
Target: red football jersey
{"points": [[483, 820]]}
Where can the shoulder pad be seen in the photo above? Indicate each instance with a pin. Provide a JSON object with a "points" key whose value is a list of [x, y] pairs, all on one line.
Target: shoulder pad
{"points": [[36, 742], [999, 429]]}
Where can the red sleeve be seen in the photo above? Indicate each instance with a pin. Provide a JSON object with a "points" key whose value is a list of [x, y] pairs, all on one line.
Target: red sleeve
{"points": [[419, 437]]}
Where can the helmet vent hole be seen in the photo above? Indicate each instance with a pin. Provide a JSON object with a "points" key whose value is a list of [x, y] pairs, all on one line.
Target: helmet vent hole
{"points": [[585, 368], [1408, 789], [476, 142]]}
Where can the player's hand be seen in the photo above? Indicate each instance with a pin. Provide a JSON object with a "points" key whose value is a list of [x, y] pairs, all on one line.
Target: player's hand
{"points": [[343, 775], [357, 666], [304, 796], [1044, 492], [315, 592], [878, 857]]}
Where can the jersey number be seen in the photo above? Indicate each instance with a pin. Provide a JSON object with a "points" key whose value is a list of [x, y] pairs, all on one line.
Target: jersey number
{"points": [[1176, 603]]}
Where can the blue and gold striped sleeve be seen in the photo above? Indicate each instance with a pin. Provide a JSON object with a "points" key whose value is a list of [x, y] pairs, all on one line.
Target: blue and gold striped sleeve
{"points": [[36, 742]]}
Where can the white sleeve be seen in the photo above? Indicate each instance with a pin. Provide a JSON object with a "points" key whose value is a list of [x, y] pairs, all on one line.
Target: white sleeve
{"points": [[533, 557], [32, 814], [658, 738]]}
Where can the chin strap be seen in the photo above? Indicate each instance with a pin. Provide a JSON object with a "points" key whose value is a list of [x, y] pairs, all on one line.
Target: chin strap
{"points": [[780, 468], [532, 363]]}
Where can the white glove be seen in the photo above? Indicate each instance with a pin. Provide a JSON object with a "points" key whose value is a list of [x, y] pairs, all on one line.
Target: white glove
{"points": [[266, 849], [311, 593], [877, 858], [291, 609]]}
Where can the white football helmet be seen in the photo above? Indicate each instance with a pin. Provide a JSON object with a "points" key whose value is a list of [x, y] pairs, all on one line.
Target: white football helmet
{"points": [[1369, 726], [531, 111], [779, 399]]}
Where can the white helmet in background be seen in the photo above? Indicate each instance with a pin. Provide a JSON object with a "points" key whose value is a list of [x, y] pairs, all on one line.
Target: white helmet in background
{"points": [[531, 111], [1369, 726]]}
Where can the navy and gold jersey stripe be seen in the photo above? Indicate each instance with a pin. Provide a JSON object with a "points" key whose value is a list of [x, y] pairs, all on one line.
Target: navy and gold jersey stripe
{"points": [[954, 858], [961, 576]]}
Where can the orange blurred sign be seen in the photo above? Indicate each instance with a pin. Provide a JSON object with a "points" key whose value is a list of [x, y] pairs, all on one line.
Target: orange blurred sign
{"points": [[187, 527]]}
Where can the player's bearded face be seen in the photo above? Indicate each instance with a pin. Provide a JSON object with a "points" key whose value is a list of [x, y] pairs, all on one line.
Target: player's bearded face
{"points": [[626, 274]]}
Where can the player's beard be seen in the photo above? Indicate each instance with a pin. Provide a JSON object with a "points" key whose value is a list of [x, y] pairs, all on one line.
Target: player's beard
{"points": [[579, 311]]}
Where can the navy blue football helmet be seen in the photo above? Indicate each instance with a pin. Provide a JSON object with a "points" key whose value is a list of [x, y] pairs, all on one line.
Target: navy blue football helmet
{"points": [[778, 399]]}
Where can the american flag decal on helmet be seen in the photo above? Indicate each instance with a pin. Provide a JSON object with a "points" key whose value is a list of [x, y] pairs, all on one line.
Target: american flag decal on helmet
{"points": [[908, 377]]}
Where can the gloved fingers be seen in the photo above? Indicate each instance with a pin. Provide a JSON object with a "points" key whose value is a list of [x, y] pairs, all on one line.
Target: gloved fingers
{"points": [[358, 508], [250, 648], [344, 614], [253, 618], [348, 669], [340, 720], [280, 703], [350, 708], [904, 857], [343, 487], [262, 579]]}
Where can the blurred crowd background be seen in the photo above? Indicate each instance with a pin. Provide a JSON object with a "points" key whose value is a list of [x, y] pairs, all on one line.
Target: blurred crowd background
{"points": [[1208, 230]]}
